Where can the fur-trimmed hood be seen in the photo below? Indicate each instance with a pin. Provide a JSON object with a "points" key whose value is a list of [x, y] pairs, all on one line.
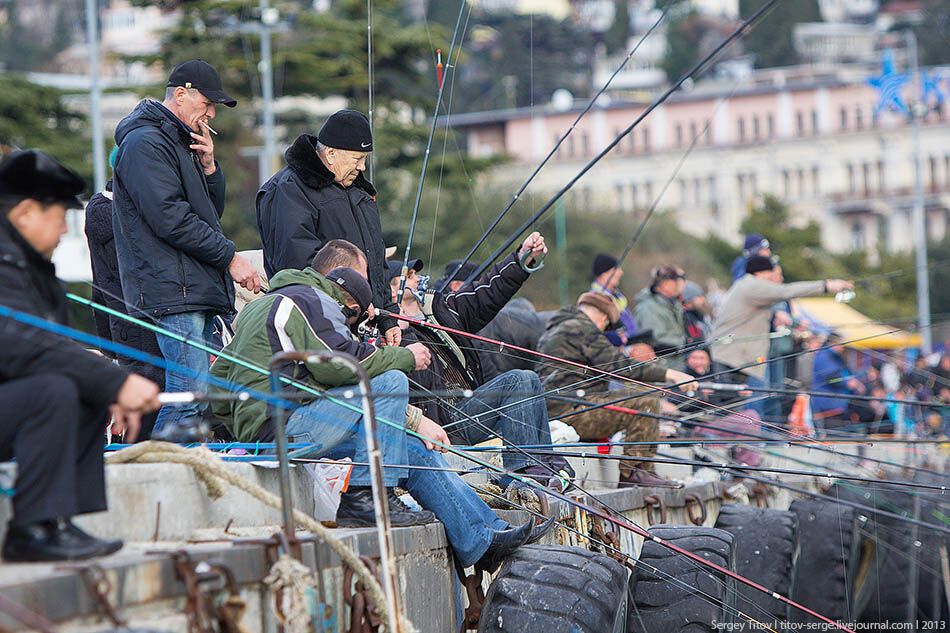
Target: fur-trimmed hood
{"points": [[303, 160]]}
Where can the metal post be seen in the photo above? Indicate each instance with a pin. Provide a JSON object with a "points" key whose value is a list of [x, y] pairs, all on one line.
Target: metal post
{"points": [[279, 415], [920, 214], [269, 18], [95, 95]]}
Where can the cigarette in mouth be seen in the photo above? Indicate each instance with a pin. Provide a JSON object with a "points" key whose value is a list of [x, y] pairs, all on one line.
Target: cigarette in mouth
{"points": [[210, 129]]}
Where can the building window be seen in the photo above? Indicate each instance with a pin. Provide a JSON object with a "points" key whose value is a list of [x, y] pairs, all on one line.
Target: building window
{"points": [[851, 183], [858, 118], [815, 181], [801, 182], [770, 126], [857, 237], [755, 128], [843, 118], [679, 135], [881, 182], [649, 194], [697, 193], [646, 139], [741, 127], [632, 143], [570, 146], [866, 178], [585, 144], [633, 194], [740, 184], [692, 134], [786, 183], [814, 122], [932, 162], [799, 123], [682, 187], [713, 194], [618, 188]]}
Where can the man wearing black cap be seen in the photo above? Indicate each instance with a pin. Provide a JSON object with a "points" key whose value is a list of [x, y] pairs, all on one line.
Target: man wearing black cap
{"points": [[305, 310], [175, 263], [322, 195], [741, 328], [54, 395], [607, 275]]}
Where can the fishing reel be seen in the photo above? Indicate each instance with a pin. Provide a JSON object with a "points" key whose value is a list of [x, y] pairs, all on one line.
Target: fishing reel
{"points": [[420, 292]]}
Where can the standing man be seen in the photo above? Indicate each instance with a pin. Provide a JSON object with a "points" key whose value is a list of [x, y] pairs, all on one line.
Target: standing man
{"points": [[322, 195], [754, 244], [175, 263], [741, 330], [659, 309], [55, 396], [607, 275]]}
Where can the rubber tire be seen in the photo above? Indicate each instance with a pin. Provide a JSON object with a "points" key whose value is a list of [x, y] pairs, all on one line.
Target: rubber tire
{"points": [[547, 589], [659, 604], [822, 577], [931, 603], [766, 552]]}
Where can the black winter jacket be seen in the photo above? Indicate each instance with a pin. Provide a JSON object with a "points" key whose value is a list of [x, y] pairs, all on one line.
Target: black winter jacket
{"points": [[105, 268], [469, 310], [301, 208], [173, 256], [30, 285]]}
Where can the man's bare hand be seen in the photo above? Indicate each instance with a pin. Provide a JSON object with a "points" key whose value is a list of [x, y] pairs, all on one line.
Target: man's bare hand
{"points": [[392, 336], [432, 431], [136, 396], [204, 147], [422, 355], [533, 244], [684, 382], [834, 286], [244, 274]]}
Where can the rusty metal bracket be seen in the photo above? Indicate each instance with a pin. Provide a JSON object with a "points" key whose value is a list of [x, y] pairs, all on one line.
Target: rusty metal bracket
{"points": [[99, 586], [693, 500], [364, 616], [655, 501], [203, 580]]}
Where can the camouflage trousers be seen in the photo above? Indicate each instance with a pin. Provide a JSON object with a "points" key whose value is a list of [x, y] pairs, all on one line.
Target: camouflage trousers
{"points": [[597, 424]]}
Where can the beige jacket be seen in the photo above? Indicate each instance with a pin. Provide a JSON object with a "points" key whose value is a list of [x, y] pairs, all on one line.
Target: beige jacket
{"points": [[746, 314]]}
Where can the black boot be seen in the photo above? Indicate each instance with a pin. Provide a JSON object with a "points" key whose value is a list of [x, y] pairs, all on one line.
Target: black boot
{"points": [[538, 531], [357, 510], [187, 432], [45, 541], [106, 546], [503, 544]]}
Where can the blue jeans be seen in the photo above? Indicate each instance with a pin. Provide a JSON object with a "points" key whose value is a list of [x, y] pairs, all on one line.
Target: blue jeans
{"points": [[198, 327], [524, 424], [338, 431], [467, 520], [760, 399]]}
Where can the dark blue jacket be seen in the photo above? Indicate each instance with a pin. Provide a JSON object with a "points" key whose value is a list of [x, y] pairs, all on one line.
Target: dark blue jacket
{"points": [[830, 375], [173, 256]]}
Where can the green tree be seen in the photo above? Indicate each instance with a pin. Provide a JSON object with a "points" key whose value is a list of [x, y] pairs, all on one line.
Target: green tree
{"points": [[33, 116], [771, 38], [615, 39]]}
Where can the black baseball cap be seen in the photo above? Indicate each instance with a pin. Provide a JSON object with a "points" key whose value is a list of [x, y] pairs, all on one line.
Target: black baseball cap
{"points": [[200, 75], [395, 267], [353, 283], [462, 273], [32, 174]]}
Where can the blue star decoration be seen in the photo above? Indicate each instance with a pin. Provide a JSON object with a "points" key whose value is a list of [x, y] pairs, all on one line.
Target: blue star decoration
{"points": [[888, 85], [930, 88]]}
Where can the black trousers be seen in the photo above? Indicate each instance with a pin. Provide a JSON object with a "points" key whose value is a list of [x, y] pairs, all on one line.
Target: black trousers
{"points": [[57, 441]]}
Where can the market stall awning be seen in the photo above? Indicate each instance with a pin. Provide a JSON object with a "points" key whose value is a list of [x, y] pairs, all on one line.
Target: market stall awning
{"points": [[825, 312]]}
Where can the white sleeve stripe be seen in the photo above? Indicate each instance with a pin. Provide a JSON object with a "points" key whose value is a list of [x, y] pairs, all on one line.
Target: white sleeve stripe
{"points": [[281, 317]]}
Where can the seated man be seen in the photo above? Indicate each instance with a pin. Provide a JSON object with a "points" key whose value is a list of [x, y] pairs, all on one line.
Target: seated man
{"points": [[834, 378], [577, 334], [308, 311], [55, 396], [505, 406]]}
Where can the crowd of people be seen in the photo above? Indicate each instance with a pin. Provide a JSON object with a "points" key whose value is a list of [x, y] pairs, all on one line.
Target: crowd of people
{"points": [[323, 282]]}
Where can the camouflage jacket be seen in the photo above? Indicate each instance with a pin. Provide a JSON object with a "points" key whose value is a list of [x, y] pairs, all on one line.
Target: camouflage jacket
{"points": [[571, 335]]}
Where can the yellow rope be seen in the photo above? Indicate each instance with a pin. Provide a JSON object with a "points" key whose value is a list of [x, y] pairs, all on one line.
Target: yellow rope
{"points": [[211, 470]]}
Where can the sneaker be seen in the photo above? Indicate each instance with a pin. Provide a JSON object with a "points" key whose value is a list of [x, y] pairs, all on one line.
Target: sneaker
{"points": [[188, 432]]}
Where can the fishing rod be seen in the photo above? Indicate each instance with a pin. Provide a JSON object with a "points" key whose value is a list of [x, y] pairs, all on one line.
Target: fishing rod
{"points": [[557, 145], [404, 274], [736, 34], [718, 386], [620, 521]]}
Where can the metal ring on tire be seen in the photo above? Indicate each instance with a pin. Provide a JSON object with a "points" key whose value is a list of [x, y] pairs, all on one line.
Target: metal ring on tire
{"points": [[653, 500], [691, 499]]}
